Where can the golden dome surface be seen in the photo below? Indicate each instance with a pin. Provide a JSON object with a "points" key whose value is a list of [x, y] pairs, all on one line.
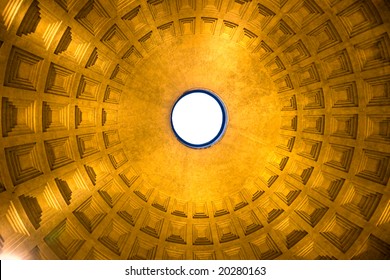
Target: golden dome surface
{"points": [[91, 169]]}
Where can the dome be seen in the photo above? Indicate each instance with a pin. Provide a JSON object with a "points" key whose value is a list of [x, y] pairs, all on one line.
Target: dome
{"points": [[90, 167]]}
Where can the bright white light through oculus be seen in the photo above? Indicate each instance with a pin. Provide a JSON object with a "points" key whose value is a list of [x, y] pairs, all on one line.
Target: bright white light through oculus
{"points": [[199, 118]]}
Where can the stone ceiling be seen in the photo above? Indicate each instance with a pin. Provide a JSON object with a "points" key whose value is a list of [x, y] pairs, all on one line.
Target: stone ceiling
{"points": [[89, 165]]}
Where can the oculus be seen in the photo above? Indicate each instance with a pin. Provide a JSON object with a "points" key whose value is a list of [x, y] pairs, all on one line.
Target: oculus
{"points": [[199, 118]]}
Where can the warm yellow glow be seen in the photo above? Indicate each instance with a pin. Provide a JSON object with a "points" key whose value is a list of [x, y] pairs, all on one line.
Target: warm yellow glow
{"points": [[9, 257], [90, 166]]}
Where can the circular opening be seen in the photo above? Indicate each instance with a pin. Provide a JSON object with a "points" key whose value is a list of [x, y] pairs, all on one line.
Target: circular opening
{"points": [[199, 118]]}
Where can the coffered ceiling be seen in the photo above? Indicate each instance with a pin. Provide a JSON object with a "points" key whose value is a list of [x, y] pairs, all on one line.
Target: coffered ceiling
{"points": [[91, 169]]}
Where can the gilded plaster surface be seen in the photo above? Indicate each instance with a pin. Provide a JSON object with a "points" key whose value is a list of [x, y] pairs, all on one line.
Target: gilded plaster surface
{"points": [[89, 165]]}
